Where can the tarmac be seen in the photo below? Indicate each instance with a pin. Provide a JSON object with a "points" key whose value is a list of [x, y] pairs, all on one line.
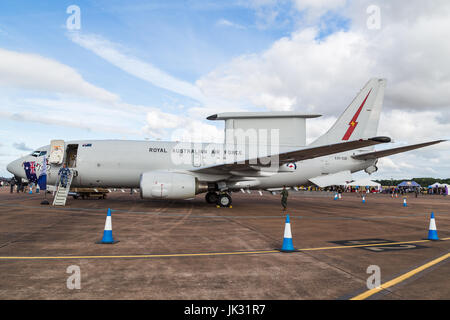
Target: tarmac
{"points": [[189, 249]]}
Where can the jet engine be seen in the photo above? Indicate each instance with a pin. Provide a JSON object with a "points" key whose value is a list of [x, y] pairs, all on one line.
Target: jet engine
{"points": [[371, 169], [169, 185]]}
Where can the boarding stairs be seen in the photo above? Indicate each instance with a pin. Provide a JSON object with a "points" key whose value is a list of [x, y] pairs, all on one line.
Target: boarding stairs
{"points": [[61, 192]]}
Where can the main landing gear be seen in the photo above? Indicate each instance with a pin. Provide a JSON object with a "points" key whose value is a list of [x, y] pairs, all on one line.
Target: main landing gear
{"points": [[212, 197], [221, 199]]}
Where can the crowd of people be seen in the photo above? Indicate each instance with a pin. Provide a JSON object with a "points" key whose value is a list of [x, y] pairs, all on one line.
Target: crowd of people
{"points": [[385, 190], [14, 185], [415, 190], [438, 190]]}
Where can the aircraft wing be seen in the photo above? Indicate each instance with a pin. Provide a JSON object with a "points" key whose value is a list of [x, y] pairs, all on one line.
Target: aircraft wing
{"points": [[292, 156], [389, 152]]}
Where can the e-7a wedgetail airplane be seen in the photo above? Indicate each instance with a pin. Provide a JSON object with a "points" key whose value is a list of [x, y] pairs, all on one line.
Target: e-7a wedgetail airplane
{"points": [[174, 170]]}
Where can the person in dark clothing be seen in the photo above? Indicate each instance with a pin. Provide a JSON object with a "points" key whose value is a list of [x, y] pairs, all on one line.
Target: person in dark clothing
{"points": [[64, 175], [284, 196], [19, 185], [12, 184]]}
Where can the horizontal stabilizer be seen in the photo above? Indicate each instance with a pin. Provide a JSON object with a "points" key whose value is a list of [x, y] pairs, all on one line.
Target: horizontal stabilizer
{"points": [[389, 152], [335, 179], [315, 152]]}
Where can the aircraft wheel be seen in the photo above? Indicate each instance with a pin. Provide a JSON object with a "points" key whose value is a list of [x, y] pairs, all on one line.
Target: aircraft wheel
{"points": [[224, 200], [211, 197]]}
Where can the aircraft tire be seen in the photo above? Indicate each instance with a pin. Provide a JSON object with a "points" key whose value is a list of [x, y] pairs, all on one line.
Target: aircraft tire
{"points": [[224, 200], [211, 197]]}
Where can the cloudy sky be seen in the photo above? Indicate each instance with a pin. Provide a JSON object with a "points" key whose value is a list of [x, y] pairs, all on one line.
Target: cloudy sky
{"points": [[155, 69]]}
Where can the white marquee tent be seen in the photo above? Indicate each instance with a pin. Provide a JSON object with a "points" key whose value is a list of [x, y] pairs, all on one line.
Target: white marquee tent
{"points": [[364, 183], [437, 185]]}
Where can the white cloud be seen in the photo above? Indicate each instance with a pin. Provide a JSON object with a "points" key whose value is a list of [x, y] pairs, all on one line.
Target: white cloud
{"points": [[21, 146], [317, 127], [198, 131], [34, 72], [184, 128], [143, 70], [159, 120], [119, 118], [387, 163], [304, 72], [316, 8], [268, 13], [97, 123], [70, 101], [227, 23], [414, 127], [297, 72], [319, 4]]}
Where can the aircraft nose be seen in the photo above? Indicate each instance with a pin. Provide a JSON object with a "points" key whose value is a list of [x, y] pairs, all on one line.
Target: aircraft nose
{"points": [[15, 168]]}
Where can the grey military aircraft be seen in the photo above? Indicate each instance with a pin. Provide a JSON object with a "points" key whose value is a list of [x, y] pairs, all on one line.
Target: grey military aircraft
{"points": [[261, 151]]}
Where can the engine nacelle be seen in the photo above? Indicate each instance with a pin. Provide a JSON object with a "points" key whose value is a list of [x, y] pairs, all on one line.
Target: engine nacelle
{"points": [[167, 185], [371, 169]]}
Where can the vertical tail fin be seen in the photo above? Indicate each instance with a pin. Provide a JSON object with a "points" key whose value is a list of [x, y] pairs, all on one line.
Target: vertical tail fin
{"points": [[360, 119]]}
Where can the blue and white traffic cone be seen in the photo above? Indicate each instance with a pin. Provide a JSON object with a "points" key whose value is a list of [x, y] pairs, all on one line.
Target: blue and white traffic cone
{"points": [[288, 246], [364, 199], [335, 196], [107, 233], [432, 231], [404, 202]]}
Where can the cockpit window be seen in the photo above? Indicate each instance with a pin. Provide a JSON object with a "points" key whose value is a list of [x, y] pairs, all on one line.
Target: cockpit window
{"points": [[38, 153]]}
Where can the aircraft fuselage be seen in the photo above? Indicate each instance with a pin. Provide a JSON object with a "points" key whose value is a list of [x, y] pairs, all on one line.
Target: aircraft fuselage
{"points": [[120, 163]]}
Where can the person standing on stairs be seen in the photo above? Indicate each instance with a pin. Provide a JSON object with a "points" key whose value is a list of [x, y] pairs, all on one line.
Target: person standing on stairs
{"points": [[64, 174]]}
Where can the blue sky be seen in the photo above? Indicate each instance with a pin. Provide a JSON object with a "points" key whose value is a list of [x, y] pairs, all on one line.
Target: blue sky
{"points": [[144, 69]]}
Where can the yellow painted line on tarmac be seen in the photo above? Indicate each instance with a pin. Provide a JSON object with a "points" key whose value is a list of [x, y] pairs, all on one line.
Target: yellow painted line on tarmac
{"points": [[401, 278], [143, 255], [206, 253]]}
